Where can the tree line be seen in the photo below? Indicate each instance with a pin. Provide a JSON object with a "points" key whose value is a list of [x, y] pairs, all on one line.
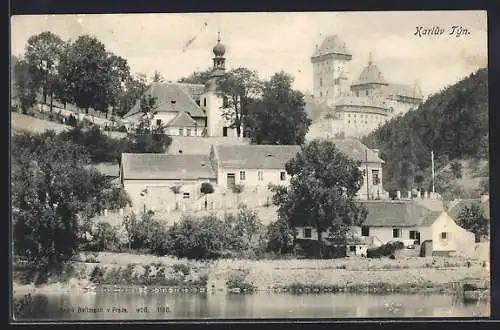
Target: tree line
{"points": [[453, 123]]}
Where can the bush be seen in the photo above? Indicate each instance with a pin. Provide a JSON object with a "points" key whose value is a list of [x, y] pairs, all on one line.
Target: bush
{"points": [[184, 269], [71, 121], [122, 129], [104, 238], [279, 237], [386, 250], [206, 188], [147, 233], [237, 280]]}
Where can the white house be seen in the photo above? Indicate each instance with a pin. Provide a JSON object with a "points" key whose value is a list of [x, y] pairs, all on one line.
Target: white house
{"points": [[407, 222], [149, 178], [189, 109]]}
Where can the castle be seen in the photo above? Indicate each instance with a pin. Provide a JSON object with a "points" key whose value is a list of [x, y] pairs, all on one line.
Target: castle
{"points": [[189, 109], [353, 108]]}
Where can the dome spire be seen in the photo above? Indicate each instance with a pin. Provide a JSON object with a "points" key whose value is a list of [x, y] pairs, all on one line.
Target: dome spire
{"points": [[218, 36], [370, 58]]}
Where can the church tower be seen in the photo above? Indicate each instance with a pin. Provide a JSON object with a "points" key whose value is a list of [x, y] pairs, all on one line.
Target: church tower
{"points": [[330, 70], [211, 103]]}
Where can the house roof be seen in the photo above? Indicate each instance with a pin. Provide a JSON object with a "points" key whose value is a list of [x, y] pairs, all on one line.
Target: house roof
{"points": [[398, 214], [458, 207], [332, 45], [404, 90], [182, 119], [173, 97], [370, 75], [356, 150], [255, 156], [166, 167], [189, 145]]}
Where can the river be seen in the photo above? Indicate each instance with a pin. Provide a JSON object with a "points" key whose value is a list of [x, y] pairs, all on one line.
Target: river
{"points": [[260, 305]]}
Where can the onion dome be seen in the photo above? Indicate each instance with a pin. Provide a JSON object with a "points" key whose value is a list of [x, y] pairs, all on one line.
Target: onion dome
{"points": [[219, 49]]}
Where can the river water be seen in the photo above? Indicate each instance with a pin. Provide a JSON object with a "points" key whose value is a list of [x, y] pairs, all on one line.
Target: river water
{"points": [[137, 306]]}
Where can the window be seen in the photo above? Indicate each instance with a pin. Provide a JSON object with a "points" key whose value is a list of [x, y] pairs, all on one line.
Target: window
{"points": [[413, 234], [224, 131], [357, 93], [204, 101], [181, 131], [158, 122], [367, 93], [282, 176], [444, 235], [375, 177], [188, 131], [320, 94], [365, 231], [260, 176], [307, 232], [352, 248], [242, 175], [336, 81], [320, 82], [396, 233], [185, 195], [198, 102]]}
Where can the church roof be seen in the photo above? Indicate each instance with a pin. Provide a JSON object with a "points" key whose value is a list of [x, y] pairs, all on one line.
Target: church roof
{"points": [[332, 44], [182, 119], [166, 167], [173, 97], [370, 75], [404, 90]]}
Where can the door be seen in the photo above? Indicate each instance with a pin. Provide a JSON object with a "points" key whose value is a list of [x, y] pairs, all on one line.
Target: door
{"points": [[231, 181]]}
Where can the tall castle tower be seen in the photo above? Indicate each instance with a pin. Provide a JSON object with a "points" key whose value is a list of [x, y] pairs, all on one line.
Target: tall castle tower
{"points": [[212, 103], [330, 70]]}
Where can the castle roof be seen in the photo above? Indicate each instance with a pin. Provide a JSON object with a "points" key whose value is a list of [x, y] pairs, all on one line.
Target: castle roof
{"points": [[370, 75], [173, 97], [332, 45]]}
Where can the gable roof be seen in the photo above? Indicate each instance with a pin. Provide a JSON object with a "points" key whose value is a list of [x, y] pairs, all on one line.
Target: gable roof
{"points": [[182, 119], [255, 156], [166, 167], [458, 207], [190, 145], [398, 214], [356, 150], [172, 97]]}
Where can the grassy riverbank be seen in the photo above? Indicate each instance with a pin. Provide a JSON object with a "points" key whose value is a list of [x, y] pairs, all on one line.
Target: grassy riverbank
{"points": [[115, 270]]}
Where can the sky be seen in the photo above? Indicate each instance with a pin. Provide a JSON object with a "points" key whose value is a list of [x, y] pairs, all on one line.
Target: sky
{"points": [[271, 42]]}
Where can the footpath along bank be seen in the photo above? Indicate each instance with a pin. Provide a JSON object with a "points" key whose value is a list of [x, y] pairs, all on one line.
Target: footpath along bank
{"points": [[122, 272]]}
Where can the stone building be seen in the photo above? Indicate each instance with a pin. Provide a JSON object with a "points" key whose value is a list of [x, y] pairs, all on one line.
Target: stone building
{"points": [[354, 108]]}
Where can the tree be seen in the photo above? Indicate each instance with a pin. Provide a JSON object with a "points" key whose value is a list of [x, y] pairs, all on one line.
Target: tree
{"points": [[133, 89], [197, 77], [51, 190], [157, 77], [472, 218], [206, 189], [25, 85], [236, 88], [43, 52], [280, 237], [321, 193], [279, 116], [176, 190]]}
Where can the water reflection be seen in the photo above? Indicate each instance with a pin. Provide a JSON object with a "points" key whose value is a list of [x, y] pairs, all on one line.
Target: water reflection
{"points": [[186, 306]]}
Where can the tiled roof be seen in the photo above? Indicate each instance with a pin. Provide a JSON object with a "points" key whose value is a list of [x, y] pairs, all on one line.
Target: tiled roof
{"points": [[189, 145], [255, 156], [356, 150], [182, 119], [458, 207], [172, 97], [398, 214], [166, 167], [332, 44], [370, 75], [404, 90]]}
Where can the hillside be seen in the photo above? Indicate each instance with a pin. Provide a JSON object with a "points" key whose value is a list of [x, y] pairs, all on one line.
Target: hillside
{"points": [[453, 123]]}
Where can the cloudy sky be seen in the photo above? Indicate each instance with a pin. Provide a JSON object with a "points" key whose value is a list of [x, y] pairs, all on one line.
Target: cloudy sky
{"points": [[270, 42]]}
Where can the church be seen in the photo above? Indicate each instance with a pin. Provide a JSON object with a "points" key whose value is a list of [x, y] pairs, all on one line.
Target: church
{"points": [[188, 109], [341, 107]]}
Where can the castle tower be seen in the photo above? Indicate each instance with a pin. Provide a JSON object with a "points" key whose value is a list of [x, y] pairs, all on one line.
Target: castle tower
{"points": [[211, 102], [330, 70]]}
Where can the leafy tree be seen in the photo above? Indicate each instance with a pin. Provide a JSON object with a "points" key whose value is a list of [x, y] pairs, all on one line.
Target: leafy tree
{"points": [[197, 77], [280, 237], [157, 77], [51, 189], [133, 89], [104, 238], [279, 116], [237, 87], [472, 218], [321, 192], [43, 52], [206, 189], [25, 85], [456, 168]]}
